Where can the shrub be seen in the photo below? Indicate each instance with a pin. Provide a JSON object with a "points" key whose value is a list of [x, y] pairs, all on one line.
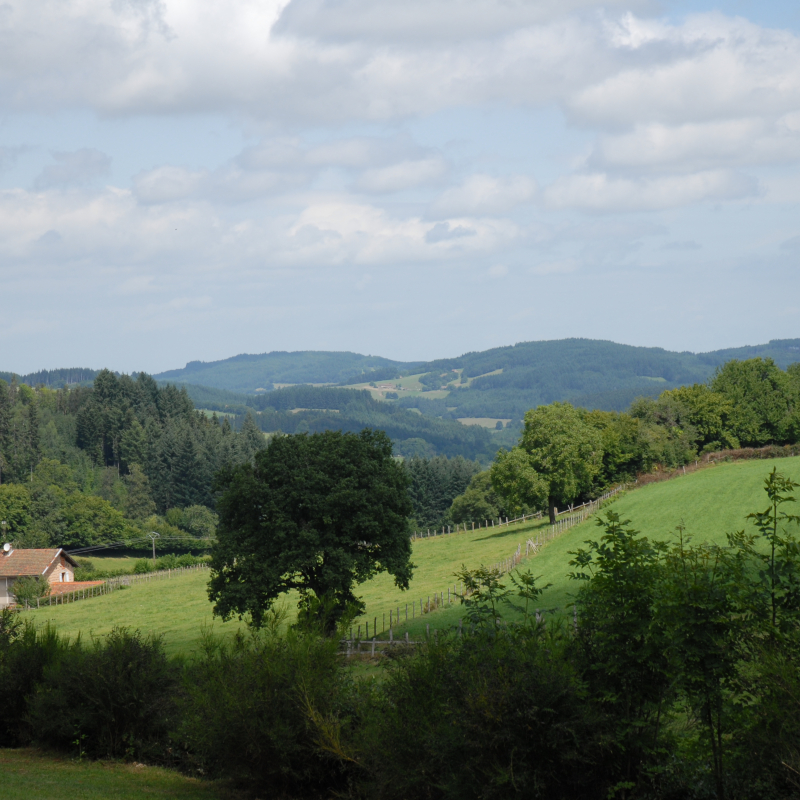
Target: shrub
{"points": [[28, 590], [487, 716], [254, 709], [113, 698], [25, 653]]}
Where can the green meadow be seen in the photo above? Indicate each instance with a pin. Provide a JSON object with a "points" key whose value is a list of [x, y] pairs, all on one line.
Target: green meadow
{"points": [[27, 774], [709, 503]]}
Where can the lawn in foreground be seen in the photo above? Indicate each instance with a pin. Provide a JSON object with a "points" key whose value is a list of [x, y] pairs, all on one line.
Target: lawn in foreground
{"points": [[27, 774]]}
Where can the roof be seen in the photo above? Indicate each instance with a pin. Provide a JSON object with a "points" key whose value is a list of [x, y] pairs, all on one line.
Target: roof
{"points": [[30, 562], [72, 586]]}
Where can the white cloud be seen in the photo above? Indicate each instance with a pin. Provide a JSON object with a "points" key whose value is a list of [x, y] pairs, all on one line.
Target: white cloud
{"points": [[600, 192], [165, 184], [405, 175], [481, 195], [74, 169]]}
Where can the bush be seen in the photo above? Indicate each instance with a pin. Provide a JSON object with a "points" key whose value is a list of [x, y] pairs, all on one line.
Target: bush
{"points": [[487, 716], [28, 590], [112, 699], [254, 710], [25, 653]]}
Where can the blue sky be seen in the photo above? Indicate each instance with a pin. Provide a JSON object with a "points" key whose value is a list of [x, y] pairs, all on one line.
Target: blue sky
{"points": [[184, 181]]}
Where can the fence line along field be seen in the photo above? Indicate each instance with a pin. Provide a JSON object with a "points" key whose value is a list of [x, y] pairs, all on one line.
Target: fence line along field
{"points": [[710, 503]]}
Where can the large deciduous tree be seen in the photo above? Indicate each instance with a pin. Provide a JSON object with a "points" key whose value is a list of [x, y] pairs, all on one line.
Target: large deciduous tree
{"points": [[318, 513], [557, 459]]}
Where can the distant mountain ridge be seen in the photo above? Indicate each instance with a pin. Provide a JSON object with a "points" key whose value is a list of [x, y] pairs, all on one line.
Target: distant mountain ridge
{"points": [[501, 383], [253, 373]]}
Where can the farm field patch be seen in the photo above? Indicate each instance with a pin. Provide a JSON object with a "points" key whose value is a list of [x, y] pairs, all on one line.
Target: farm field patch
{"points": [[484, 422]]}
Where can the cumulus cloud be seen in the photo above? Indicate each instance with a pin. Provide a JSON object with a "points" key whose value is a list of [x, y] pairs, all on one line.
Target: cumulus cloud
{"points": [[74, 169], [405, 175], [481, 195], [600, 192]]}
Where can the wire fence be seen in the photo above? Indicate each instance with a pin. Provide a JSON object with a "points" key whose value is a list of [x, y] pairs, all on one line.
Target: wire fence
{"points": [[408, 612], [499, 522], [109, 586]]}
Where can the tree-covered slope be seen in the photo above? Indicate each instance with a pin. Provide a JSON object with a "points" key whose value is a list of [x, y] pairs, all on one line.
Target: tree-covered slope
{"points": [[500, 383], [251, 373]]}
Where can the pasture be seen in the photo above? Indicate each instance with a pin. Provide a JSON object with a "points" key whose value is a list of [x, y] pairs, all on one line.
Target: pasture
{"points": [[710, 503], [30, 774]]}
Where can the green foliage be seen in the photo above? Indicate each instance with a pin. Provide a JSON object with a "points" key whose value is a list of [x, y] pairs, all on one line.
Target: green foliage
{"points": [[28, 590], [780, 565], [90, 520], [318, 513], [116, 697], [483, 717], [15, 504], [619, 647], [479, 501], [434, 484], [758, 391], [25, 653], [557, 460], [255, 711]]}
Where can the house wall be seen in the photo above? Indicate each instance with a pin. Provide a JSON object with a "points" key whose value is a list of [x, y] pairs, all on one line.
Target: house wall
{"points": [[59, 567], [5, 592]]}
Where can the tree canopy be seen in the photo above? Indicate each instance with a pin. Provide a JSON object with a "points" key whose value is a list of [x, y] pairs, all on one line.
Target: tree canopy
{"points": [[557, 459], [318, 513]]}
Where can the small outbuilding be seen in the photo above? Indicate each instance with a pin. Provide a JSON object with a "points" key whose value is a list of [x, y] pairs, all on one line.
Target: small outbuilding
{"points": [[53, 564]]}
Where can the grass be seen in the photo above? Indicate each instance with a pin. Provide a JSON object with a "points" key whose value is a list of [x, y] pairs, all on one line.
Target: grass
{"points": [[26, 774], [179, 608], [710, 503]]}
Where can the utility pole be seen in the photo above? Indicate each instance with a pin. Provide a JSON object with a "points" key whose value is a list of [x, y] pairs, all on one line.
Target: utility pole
{"points": [[153, 536]]}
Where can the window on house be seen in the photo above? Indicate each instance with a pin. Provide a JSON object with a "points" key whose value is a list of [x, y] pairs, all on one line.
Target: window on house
{"points": [[63, 577]]}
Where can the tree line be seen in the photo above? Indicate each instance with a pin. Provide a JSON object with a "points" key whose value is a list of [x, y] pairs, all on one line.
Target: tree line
{"points": [[89, 465]]}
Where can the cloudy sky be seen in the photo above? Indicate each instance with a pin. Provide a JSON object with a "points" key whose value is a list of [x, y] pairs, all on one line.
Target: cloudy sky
{"points": [[191, 179]]}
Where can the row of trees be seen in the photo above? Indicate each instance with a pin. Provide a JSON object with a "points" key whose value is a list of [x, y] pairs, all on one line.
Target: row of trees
{"points": [[566, 454]]}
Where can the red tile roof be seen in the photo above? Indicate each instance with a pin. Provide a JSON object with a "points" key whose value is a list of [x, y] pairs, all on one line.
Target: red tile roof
{"points": [[29, 562], [72, 586]]}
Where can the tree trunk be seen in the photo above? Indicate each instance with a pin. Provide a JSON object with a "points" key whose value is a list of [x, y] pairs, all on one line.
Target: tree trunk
{"points": [[551, 507]]}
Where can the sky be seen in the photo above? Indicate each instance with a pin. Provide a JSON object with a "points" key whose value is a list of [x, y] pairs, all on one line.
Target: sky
{"points": [[189, 180]]}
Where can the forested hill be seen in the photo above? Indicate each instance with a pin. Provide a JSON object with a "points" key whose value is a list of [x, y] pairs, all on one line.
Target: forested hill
{"points": [[501, 383], [54, 378], [253, 373]]}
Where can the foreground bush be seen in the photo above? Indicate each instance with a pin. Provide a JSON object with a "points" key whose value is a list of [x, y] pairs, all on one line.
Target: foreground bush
{"points": [[25, 654], [495, 715], [112, 699], [254, 710]]}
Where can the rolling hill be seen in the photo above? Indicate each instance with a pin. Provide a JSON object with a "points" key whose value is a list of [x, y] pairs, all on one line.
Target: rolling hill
{"points": [[501, 383]]}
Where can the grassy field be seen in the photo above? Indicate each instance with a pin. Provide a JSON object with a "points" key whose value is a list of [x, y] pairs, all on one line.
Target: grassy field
{"points": [[32, 775], [710, 503], [179, 608]]}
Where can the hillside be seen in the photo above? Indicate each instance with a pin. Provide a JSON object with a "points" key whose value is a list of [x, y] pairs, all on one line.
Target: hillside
{"points": [[710, 502], [501, 383], [258, 373]]}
